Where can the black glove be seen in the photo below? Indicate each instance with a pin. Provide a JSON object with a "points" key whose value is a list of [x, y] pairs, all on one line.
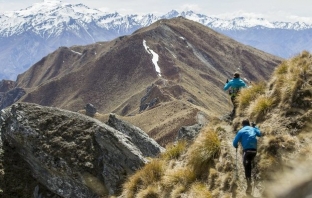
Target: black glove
{"points": [[253, 124], [227, 80]]}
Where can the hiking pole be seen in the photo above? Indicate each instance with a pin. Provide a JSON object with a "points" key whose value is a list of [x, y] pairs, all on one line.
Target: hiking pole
{"points": [[236, 167]]}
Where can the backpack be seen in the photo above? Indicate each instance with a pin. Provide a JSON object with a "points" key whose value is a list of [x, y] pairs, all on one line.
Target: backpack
{"points": [[233, 91]]}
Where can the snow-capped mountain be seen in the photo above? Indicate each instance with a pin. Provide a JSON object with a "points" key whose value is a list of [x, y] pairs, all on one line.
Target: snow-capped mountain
{"points": [[29, 34]]}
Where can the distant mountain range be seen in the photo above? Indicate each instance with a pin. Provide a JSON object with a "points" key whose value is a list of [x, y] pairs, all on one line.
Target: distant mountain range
{"points": [[26, 36]]}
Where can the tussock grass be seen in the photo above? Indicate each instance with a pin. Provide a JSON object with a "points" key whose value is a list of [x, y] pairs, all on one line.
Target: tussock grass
{"points": [[149, 174], [201, 153], [266, 165], [289, 77], [199, 190], [183, 176], [246, 96], [261, 106], [149, 192], [282, 69], [177, 191], [275, 144], [213, 175], [174, 151], [226, 181]]}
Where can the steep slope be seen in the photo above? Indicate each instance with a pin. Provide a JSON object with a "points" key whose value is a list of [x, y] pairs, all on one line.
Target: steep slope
{"points": [[284, 110], [122, 75], [209, 166]]}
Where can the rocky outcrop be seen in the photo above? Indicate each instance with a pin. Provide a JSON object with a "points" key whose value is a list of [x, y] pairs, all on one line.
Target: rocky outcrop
{"points": [[70, 154], [146, 145], [6, 85], [189, 132], [10, 97]]}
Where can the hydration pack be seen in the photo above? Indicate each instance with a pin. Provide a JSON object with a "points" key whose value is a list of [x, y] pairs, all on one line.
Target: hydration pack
{"points": [[233, 91]]}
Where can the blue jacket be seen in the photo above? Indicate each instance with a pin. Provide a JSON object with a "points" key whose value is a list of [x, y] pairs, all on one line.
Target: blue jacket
{"points": [[235, 83], [247, 137]]}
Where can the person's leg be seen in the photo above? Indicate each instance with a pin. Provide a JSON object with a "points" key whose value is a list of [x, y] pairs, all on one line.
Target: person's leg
{"points": [[248, 156], [234, 105]]}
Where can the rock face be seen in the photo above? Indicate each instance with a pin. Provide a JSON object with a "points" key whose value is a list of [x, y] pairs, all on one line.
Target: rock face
{"points": [[189, 132], [9, 93], [146, 145], [10, 97], [6, 85], [70, 154]]}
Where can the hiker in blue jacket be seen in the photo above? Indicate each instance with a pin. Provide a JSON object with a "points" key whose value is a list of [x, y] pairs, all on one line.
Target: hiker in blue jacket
{"points": [[234, 86], [247, 136]]}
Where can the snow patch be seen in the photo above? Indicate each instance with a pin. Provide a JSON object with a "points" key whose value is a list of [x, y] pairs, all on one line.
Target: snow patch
{"points": [[154, 59], [76, 52]]}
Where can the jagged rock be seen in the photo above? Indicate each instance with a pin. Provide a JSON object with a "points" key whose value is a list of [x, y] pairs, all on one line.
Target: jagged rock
{"points": [[189, 132], [153, 102], [144, 104], [71, 154], [10, 97], [90, 110], [148, 146], [6, 85]]}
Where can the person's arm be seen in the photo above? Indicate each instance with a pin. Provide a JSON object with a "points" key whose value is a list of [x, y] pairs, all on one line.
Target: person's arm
{"points": [[257, 130], [236, 139], [243, 83], [227, 85]]}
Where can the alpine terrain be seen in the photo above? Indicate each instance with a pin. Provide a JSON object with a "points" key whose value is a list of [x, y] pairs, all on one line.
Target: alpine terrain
{"points": [[144, 115], [27, 35], [176, 65]]}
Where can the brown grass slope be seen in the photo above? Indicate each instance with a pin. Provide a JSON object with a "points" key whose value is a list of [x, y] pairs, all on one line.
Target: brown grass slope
{"points": [[206, 167], [194, 60], [284, 110]]}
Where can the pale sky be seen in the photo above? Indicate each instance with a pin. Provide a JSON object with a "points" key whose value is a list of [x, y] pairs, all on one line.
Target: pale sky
{"points": [[285, 10]]}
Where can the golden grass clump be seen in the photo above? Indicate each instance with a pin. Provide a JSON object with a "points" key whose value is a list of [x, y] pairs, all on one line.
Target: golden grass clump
{"points": [[150, 192], [183, 176], [281, 69], [200, 155], [261, 106], [149, 174], [177, 191], [289, 76], [213, 175], [174, 151], [226, 182], [246, 96], [267, 165], [199, 190]]}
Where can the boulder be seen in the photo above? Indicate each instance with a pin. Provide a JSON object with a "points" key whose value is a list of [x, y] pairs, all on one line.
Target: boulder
{"points": [[70, 154], [148, 146], [189, 132], [90, 110]]}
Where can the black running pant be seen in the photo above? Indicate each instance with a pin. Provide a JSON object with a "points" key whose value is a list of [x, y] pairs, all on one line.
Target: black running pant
{"points": [[233, 99], [248, 156]]}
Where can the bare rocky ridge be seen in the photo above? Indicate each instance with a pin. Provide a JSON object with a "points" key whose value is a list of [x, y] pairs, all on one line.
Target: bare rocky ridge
{"points": [[66, 153]]}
